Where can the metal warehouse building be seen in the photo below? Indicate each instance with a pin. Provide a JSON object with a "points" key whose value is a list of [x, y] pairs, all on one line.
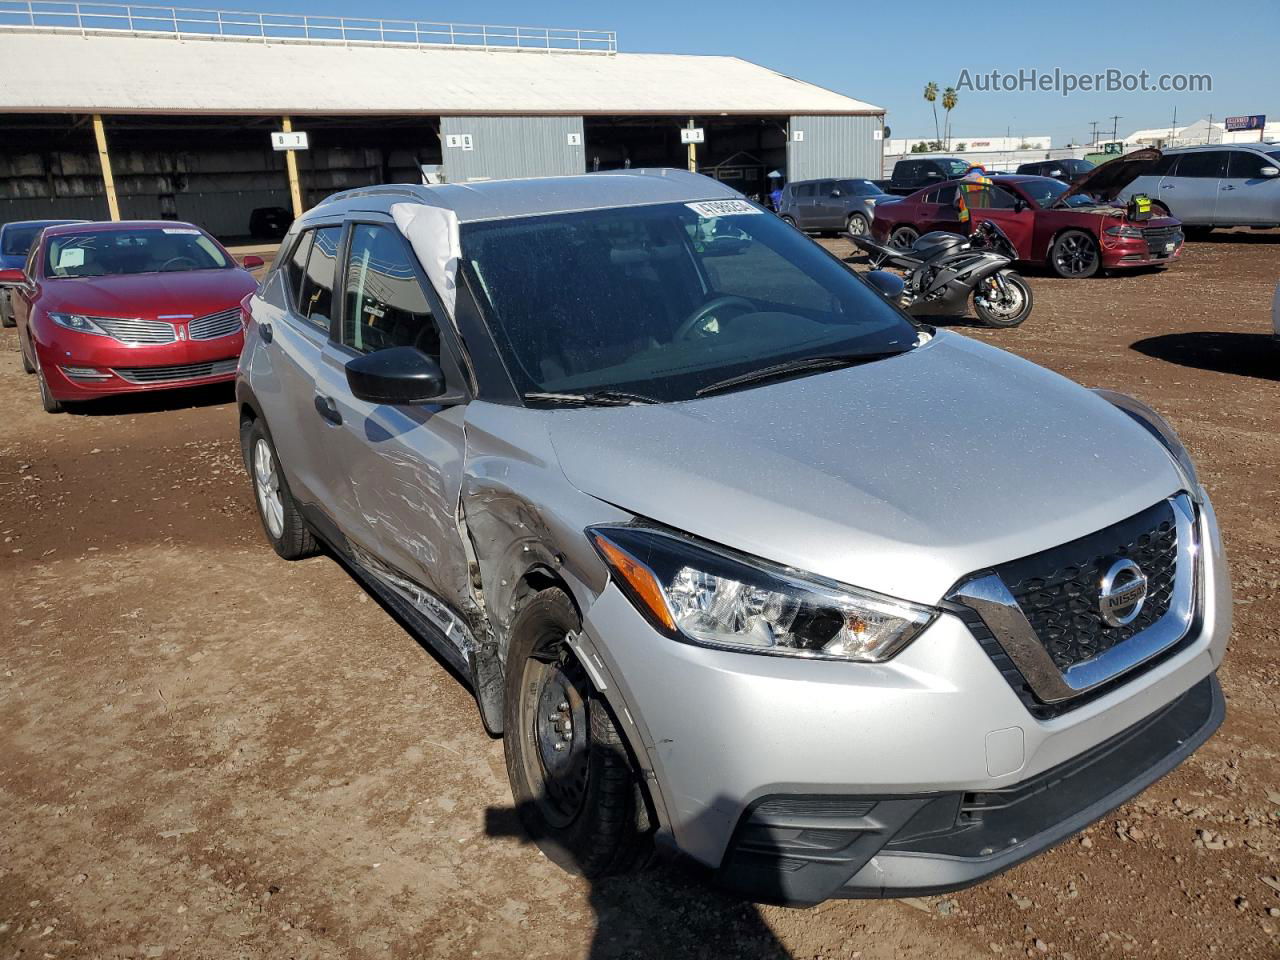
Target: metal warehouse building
{"points": [[168, 112]]}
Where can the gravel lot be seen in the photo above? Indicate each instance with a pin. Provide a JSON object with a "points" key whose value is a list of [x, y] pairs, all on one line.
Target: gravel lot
{"points": [[208, 752]]}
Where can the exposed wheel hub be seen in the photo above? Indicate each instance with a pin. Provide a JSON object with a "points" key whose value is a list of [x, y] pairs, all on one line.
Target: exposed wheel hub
{"points": [[560, 731]]}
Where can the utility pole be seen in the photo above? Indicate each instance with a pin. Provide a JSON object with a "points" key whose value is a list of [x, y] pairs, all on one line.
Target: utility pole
{"points": [[1093, 134], [1115, 127], [1173, 129]]}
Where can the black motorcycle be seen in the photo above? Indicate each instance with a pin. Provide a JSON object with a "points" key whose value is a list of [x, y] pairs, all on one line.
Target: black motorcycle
{"points": [[942, 270]]}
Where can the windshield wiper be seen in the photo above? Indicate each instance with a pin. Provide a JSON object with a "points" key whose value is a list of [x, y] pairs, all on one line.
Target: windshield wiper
{"points": [[779, 371], [594, 398]]}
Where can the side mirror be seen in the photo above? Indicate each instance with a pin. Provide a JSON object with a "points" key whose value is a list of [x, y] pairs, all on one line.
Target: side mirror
{"points": [[835, 193], [395, 375], [933, 175], [12, 277], [252, 261], [888, 285], [1019, 204], [1269, 172]]}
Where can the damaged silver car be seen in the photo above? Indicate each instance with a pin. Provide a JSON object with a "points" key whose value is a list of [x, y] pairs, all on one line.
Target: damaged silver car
{"points": [[741, 561]]}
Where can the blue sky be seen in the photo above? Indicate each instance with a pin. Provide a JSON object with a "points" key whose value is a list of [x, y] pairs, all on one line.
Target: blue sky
{"points": [[885, 53]]}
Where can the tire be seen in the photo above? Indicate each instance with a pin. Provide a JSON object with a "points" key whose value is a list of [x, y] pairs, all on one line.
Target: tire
{"points": [[903, 237], [582, 805], [790, 221], [6, 312], [1075, 255], [1008, 315], [857, 226], [27, 366], [281, 522], [50, 403]]}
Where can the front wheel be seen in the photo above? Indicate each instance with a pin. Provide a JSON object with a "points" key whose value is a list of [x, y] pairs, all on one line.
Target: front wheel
{"points": [[1075, 255], [576, 789], [281, 520], [1003, 305], [50, 403], [857, 225]]}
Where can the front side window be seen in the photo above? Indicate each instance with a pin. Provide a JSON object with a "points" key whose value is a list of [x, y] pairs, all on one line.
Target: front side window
{"points": [[662, 300], [315, 300], [386, 305], [132, 250], [1247, 165]]}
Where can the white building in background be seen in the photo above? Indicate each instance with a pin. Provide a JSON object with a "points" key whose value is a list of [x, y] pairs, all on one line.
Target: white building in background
{"points": [[961, 144], [1202, 131]]}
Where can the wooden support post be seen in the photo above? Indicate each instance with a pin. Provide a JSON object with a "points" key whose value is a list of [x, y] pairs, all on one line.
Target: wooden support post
{"points": [[693, 152], [291, 164], [104, 158]]}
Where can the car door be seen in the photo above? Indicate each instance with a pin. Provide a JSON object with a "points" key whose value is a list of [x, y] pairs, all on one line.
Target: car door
{"points": [[400, 465], [1245, 196], [802, 210], [1191, 192], [827, 208], [1012, 214], [293, 312], [938, 211]]}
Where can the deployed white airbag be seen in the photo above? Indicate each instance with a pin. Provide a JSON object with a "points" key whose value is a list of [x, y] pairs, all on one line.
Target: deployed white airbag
{"points": [[433, 234]]}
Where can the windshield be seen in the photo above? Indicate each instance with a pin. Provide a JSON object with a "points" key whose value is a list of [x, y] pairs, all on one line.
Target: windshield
{"points": [[108, 253], [860, 188], [954, 168], [662, 300], [1045, 193], [1077, 167], [18, 240]]}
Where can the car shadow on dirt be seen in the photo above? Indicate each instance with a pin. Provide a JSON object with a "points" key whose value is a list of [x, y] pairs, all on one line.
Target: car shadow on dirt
{"points": [[669, 910], [130, 404], [1242, 354]]}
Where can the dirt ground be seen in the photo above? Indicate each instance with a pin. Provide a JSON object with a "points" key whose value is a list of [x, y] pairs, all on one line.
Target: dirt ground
{"points": [[208, 752]]}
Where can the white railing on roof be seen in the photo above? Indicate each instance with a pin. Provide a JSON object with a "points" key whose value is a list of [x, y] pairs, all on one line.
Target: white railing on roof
{"points": [[186, 23]]}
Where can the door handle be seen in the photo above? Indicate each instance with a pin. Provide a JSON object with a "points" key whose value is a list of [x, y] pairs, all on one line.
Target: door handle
{"points": [[1166, 186], [328, 409], [1228, 187], [264, 329]]}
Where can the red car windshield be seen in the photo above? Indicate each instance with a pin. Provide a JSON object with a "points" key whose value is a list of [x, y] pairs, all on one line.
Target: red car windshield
{"points": [[1045, 193], [107, 253]]}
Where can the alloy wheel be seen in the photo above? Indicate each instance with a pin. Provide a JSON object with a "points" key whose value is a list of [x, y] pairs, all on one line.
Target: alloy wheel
{"points": [[1076, 256], [266, 480], [858, 225]]}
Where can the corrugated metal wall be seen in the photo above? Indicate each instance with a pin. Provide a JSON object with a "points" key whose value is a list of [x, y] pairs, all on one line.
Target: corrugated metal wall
{"points": [[834, 147], [504, 147]]}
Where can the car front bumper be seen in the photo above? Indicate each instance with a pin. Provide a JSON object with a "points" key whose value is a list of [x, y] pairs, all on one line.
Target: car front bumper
{"points": [[80, 366], [1134, 252], [721, 735]]}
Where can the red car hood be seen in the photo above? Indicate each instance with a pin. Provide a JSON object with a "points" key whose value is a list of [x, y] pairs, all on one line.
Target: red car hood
{"points": [[150, 295], [1105, 182]]}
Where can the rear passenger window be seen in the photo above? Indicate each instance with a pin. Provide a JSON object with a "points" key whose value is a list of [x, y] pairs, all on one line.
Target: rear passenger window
{"points": [[804, 190], [1204, 164], [315, 302], [386, 305]]}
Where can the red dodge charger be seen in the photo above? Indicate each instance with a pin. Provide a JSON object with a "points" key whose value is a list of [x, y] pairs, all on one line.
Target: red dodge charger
{"points": [[1076, 230], [105, 308]]}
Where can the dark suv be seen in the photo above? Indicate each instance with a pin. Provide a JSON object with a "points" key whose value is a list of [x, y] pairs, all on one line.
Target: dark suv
{"points": [[831, 204], [1065, 170]]}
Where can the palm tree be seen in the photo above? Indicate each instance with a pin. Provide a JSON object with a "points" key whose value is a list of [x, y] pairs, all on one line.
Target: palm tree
{"points": [[949, 101], [931, 94]]}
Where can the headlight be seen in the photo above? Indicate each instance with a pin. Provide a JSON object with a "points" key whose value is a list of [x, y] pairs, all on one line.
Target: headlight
{"points": [[78, 322], [1125, 231], [1159, 428], [714, 597]]}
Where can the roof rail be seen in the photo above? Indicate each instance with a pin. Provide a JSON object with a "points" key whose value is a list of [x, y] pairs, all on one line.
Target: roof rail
{"points": [[192, 23]]}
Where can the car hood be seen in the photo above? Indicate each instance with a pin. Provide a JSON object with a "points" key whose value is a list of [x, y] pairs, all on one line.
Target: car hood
{"points": [[1106, 181], [149, 295], [901, 475]]}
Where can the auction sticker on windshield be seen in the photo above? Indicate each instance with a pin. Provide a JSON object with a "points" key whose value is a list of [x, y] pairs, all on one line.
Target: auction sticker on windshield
{"points": [[710, 209]]}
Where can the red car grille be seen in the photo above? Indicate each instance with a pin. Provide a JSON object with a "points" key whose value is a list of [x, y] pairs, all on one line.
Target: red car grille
{"points": [[211, 326], [137, 331], [177, 372]]}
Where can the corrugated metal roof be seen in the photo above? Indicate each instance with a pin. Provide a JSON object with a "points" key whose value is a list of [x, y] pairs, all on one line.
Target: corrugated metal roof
{"points": [[114, 74]]}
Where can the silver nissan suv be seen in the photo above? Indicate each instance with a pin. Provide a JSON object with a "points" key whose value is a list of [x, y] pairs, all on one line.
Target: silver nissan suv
{"points": [[741, 561]]}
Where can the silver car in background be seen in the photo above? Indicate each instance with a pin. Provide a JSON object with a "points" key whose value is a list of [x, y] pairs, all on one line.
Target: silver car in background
{"points": [[832, 205], [739, 560], [1222, 185]]}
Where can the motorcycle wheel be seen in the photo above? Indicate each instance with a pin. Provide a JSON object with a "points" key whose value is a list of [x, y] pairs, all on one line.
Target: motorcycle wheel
{"points": [[1004, 311]]}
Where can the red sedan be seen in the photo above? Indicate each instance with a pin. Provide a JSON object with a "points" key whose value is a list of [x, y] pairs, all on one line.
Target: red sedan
{"points": [[1075, 229], [106, 308]]}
